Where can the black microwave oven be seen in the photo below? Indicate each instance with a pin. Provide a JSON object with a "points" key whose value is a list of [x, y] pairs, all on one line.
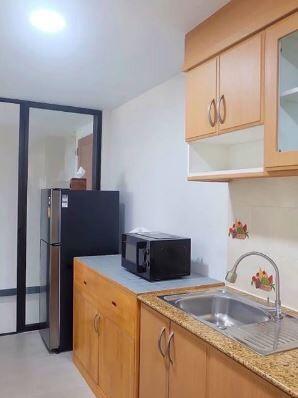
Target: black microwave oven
{"points": [[156, 256]]}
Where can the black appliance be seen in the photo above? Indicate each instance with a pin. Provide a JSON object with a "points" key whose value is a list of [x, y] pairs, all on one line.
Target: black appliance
{"points": [[73, 224], [156, 256]]}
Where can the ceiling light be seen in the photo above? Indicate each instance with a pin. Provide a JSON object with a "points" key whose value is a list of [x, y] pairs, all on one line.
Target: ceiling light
{"points": [[47, 21]]}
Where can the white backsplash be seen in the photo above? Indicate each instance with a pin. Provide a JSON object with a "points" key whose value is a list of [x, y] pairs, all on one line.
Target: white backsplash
{"points": [[270, 209]]}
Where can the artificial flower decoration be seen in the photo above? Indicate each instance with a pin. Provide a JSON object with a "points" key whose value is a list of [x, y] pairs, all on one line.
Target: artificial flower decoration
{"points": [[263, 281], [238, 230]]}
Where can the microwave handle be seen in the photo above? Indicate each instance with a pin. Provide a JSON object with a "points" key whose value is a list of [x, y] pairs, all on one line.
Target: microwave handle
{"points": [[141, 256]]}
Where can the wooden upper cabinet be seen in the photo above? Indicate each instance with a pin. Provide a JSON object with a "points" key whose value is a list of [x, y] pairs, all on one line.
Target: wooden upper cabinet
{"points": [[281, 95], [153, 360], [86, 318], [227, 379], [241, 85], [187, 373], [201, 87]]}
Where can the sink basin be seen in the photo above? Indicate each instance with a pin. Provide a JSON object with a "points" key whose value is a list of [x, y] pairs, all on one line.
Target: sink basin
{"points": [[220, 309], [241, 319]]}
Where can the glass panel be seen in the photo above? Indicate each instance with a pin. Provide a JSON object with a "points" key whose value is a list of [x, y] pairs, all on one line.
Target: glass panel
{"points": [[9, 149], [288, 92], [53, 147]]}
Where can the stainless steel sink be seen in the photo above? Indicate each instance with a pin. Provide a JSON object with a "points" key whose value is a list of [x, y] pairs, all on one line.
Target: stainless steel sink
{"points": [[221, 309], [240, 318]]}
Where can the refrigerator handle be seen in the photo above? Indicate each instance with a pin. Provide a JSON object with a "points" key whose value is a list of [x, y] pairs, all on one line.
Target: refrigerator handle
{"points": [[54, 294], [55, 216]]}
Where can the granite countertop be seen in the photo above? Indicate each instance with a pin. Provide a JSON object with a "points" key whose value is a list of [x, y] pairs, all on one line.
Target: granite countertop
{"points": [[279, 369], [110, 267]]}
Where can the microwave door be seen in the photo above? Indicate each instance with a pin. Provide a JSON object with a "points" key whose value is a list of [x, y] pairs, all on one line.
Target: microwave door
{"points": [[49, 312]]}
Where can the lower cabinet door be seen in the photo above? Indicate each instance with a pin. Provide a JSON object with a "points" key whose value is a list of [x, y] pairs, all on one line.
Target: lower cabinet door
{"points": [[116, 361], [153, 359], [228, 379], [85, 346], [187, 372]]}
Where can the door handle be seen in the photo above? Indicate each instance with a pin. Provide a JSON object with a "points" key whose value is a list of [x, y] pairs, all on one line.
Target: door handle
{"points": [[169, 347], [222, 100], [162, 353], [212, 105], [96, 323]]}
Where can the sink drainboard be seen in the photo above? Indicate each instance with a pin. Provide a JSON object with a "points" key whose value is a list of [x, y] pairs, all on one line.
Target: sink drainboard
{"points": [[268, 337]]}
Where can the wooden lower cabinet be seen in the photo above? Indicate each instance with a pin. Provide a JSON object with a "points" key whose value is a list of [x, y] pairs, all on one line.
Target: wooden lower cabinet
{"points": [[86, 337], [116, 367], [187, 372], [153, 358], [172, 360], [190, 367], [106, 334], [228, 379]]}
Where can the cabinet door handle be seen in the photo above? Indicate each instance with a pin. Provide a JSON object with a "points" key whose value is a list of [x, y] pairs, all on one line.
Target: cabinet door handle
{"points": [[222, 100], [162, 353], [212, 105], [96, 323], [169, 347]]}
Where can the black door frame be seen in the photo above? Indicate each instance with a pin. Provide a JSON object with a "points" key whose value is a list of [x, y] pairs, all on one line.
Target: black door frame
{"points": [[24, 121]]}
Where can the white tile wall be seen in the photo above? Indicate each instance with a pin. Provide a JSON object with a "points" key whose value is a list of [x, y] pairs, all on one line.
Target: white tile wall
{"points": [[270, 208]]}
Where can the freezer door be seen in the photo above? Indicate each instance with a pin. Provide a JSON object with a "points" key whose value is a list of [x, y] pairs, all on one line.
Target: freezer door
{"points": [[49, 305], [50, 217]]}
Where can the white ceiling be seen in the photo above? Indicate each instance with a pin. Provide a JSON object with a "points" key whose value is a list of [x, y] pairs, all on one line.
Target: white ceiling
{"points": [[110, 51]]}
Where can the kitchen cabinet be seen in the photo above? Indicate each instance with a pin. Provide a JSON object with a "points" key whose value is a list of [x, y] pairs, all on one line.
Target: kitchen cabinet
{"points": [[172, 361], [226, 378], [187, 372], [201, 88], [226, 92], [153, 356], [106, 334], [240, 97], [281, 89], [86, 335]]}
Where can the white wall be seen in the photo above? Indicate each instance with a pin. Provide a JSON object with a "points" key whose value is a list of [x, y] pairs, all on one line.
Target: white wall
{"points": [[145, 157], [270, 209]]}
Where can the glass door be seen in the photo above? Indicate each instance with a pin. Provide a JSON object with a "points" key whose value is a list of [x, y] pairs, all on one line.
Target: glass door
{"points": [[54, 138], [9, 152], [281, 94]]}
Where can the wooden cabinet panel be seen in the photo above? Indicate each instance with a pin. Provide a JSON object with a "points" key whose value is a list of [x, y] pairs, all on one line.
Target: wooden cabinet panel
{"points": [[187, 373], [120, 305], [116, 366], [201, 100], [153, 366], [240, 85], [227, 379], [85, 333]]}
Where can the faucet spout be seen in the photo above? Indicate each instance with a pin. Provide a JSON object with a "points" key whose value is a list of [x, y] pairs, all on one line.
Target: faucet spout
{"points": [[231, 277]]}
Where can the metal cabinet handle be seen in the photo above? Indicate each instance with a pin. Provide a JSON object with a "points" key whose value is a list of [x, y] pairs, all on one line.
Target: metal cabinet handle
{"points": [[222, 100], [96, 323], [212, 104], [162, 353], [169, 347]]}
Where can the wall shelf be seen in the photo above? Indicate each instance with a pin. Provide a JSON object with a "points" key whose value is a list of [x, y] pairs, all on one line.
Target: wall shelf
{"points": [[290, 95]]}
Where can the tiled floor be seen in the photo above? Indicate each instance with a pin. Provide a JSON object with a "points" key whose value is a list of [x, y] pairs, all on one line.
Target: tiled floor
{"points": [[27, 370]]}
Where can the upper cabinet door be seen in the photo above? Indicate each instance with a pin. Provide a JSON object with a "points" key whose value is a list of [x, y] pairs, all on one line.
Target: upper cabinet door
{"points": [[281, 99], [240, 85], [201, 118]]}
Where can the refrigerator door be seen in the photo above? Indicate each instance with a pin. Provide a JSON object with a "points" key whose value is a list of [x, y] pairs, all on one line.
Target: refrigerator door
{"points": [[50, 224], [49, 311]]}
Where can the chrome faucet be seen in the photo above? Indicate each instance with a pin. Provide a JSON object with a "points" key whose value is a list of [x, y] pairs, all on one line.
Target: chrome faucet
{"points": [[232, 276]]}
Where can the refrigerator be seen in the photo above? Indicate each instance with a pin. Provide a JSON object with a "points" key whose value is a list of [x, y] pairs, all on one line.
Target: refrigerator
{"points": [[73, 224]]}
